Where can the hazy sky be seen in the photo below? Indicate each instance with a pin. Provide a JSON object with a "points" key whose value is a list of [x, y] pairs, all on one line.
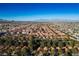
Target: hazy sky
{"points": [[36, 11]]}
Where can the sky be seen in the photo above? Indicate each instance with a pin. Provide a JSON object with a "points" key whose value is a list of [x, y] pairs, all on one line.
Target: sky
{"points": [[39, 11]]}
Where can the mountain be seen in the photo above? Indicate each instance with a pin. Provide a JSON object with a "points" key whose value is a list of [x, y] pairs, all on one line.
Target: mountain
{"points": [[4, 21], [57, 20]]}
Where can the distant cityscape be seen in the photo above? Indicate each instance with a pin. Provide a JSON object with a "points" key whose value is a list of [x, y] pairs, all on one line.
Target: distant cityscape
{"points": [[29, 38]]}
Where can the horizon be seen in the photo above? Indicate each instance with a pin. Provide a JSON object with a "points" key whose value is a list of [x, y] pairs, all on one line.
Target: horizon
{"points": [[39, 11]]}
